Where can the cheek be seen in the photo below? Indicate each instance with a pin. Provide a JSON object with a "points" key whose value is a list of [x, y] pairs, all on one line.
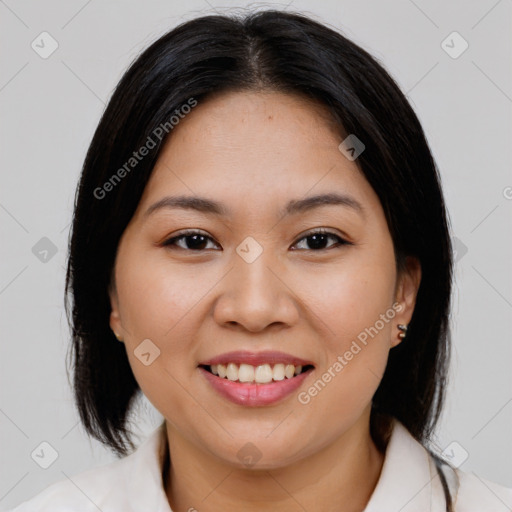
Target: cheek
{"points": [[353, 299], [156, 304], [354, 307], [155, 296]]}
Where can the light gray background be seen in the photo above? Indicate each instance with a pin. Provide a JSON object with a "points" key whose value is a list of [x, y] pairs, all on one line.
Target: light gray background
{"points": [[50, 108]]}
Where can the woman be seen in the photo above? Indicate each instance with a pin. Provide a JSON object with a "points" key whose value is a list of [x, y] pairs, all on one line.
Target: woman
{"points": [[260, 224]]}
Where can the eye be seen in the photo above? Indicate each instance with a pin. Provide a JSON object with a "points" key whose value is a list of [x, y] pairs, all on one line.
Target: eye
{"points": [[318, 238], [196, 241], [192, 240]]}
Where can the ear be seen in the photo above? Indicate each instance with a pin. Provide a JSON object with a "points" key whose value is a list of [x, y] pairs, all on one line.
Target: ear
{"points": [[115, 318], [408, 283]]}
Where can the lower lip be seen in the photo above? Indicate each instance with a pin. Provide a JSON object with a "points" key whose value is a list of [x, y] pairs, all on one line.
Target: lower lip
{"points": [[254, 395]]}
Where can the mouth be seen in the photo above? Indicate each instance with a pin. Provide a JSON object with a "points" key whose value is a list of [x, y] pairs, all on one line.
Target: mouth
{"points": [[261, 374], [255, 379]]}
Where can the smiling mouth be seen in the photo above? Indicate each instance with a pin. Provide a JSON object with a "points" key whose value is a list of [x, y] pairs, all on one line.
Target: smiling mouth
{"points": [[261, 374]]}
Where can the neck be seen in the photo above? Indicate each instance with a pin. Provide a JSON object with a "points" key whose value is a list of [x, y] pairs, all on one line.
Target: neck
{"points": [[341, 476]]}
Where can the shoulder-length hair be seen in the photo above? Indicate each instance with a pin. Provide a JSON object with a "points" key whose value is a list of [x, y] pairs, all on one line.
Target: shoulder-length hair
{"points": [[263, 51]]}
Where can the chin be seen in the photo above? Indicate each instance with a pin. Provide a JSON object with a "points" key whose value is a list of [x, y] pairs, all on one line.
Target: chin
{"points": [[260, 453]]}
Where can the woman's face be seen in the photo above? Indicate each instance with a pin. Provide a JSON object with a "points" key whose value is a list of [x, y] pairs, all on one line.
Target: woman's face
{"points": [[255, 280]]}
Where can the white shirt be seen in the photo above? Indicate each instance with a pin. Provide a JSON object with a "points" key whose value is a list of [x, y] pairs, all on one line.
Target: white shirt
{"points": [[409, 482]]}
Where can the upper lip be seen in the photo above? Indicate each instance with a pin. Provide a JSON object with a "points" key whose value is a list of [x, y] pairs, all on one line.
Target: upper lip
{"points": [[270, 357]]}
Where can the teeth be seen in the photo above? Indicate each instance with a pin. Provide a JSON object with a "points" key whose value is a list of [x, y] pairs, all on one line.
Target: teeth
{"points": [[278, 372], [232, 371], [261, 374], [246, 373]]}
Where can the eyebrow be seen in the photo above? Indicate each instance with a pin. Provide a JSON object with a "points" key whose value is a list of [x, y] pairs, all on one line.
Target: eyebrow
{"points": [[293, 207]]}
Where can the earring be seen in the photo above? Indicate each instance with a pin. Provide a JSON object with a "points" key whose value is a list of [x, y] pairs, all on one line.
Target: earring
{"points": [[403, 329], [118, 337]]}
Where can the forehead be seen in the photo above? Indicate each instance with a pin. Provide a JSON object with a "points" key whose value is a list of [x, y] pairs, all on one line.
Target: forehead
{"points": [[246, 146], [251, 121]]}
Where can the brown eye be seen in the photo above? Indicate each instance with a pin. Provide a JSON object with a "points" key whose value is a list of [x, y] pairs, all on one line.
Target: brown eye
{"points": [[318, 239], [197, 241], [192, 240]]}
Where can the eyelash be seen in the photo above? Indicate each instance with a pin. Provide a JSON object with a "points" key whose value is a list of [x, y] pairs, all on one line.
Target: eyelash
{"points": [[171, 241]]}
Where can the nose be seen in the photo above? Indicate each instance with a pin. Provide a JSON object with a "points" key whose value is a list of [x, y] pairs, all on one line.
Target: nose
{"points": [[255, 296]]}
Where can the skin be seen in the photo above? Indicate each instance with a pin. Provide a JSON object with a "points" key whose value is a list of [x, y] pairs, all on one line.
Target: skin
{"points": [[253, 152]]}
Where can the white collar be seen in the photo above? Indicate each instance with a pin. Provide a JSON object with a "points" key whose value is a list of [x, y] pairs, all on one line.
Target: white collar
{"points": [[409, 481], [144, 483]]}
